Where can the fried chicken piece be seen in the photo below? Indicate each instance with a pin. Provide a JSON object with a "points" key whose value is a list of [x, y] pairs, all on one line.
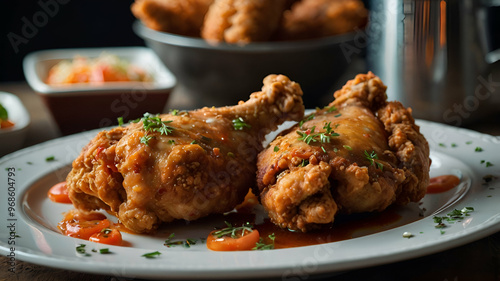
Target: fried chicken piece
{"points": [[318, 18], [358, 154], [183, 17], [190, 165], [242, 21]]}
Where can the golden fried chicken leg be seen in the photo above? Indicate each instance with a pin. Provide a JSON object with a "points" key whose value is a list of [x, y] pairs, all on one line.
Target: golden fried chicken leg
{"points": [[358, 154], [318, 18], [242, 21], [182, 165], [183, 17]]}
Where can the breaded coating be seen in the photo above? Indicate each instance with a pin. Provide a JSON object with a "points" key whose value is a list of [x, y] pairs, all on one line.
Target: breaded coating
{"points": [[358, 154], [183, 17], [318, 18], [242, 21]]}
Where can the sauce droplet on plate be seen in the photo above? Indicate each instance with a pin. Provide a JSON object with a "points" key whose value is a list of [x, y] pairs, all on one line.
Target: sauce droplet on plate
{"points": [[442, 183]]}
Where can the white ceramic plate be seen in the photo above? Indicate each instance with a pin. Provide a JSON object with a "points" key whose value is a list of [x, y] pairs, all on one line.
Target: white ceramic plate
{"points": [[11, 139], [37, 240]]}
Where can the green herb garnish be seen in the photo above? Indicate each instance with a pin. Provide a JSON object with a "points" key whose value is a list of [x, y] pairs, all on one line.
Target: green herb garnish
{"points": [[232, 231], [478, 149], [261, 245], [120, 121], [372, 157], [308, 118], [104, 251], [153, 123], [81, 250], [276, 148], [347, 147], [324, 137], [239, 124], [452, 217], [151, 255], [169, 242], [50, 159], [331, 108]]}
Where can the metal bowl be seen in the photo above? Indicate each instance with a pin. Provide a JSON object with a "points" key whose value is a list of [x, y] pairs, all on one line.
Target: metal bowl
{"points": [[223, 74]]}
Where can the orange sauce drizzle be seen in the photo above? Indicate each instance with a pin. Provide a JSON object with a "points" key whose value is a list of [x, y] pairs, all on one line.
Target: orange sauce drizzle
{"points": [[442, 183]]}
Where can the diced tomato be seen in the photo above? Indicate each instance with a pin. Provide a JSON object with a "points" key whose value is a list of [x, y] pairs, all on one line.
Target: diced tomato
{"points": [[83, 229], [227, 243], [59, 193], [107, 236]]}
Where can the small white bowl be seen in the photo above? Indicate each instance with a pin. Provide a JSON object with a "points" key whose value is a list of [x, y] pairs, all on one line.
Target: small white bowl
{"points": [[12, 139], [79, 107]]}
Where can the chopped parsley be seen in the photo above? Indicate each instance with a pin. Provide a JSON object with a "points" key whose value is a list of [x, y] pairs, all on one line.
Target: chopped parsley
{"points": [[323, 137], [81, 250], [452, 217], [487, 163], [104, 251], [151, 255], [468, 142], [372, 157], [232, 231], [442, 144], [174, 111], [120, 121], [330, 109], [276, 148], [347, 147], [478, 149], [239, 124], [50, 159], [261, 245], [169, 242], [153, 123]]}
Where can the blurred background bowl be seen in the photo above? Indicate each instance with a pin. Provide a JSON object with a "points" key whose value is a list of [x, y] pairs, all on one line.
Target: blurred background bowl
{"points": [[223, 74], [12, 138], [80, 107]]}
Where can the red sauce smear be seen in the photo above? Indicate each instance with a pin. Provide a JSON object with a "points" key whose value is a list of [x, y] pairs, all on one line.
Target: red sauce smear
{"points": [[92, 226], [59, 193], [442, 183]]}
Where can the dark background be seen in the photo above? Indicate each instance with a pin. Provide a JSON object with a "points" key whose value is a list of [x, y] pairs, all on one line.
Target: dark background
{"points": [[70, 24]]}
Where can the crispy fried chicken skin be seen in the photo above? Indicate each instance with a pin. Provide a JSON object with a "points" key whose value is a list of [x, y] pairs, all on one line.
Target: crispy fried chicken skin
{"points": [[183, 17], [242, 21], [318, 18], [205, 164], [358, 154]]}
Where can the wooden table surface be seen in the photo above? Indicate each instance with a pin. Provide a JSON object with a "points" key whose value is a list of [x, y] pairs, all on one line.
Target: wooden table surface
{"points": [[479, 260]]}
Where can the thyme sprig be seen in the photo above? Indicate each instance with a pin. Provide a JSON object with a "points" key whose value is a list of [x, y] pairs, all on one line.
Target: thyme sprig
{"points": [[309, 135], [372, 157], [232, 231]]}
